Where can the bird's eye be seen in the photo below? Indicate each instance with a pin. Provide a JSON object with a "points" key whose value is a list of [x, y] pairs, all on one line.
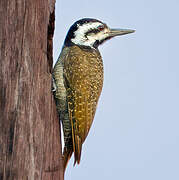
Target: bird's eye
{"points": [[100, 28]]}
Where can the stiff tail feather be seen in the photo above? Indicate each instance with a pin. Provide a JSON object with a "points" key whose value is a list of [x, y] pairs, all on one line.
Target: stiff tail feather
{"points": [[66, 157], [77, 152], [67, 153]]}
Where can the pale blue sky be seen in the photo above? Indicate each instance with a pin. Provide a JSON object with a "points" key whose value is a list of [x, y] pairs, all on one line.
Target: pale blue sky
{"points": [[135, 134]]}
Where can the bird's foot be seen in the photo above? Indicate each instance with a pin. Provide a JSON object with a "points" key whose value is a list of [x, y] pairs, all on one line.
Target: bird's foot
{"points": [[54, 86]]}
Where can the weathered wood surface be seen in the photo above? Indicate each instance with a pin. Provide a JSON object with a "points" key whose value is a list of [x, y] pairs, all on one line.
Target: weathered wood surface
{"points": [[30, 146]]}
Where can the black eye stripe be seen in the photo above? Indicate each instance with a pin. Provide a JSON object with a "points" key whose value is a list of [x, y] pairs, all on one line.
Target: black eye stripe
{"points": [[92, 31]]}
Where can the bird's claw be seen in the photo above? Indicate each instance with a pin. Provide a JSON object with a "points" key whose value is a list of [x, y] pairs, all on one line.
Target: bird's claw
{"points": [[54, 86]]}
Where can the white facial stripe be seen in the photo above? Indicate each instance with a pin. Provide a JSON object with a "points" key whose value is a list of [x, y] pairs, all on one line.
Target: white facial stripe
{"points": [[99, 36], [80, 32]]}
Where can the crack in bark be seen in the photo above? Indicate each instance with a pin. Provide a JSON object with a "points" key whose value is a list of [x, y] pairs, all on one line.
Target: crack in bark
{"points": [[51, 27]]}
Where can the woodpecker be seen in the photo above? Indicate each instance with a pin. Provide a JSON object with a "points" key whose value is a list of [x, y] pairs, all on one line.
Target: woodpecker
{"points": [[78, 81]]}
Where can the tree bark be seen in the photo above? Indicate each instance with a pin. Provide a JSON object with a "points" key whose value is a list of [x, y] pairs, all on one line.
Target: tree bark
{"points": [[30, 146]]}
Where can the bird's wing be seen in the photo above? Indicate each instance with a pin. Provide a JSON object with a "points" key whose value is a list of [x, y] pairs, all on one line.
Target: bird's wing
{"points": [[83, 74]]}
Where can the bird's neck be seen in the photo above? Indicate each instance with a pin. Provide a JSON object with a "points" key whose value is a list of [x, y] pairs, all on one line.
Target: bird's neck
{"points": [[83, 48]]}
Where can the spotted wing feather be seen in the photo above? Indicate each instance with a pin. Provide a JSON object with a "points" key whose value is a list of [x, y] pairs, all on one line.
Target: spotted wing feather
{"points": [[83, 74]]}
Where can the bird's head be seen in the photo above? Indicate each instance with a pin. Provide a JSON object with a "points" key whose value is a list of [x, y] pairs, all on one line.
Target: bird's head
{"points": [[91, 33]]}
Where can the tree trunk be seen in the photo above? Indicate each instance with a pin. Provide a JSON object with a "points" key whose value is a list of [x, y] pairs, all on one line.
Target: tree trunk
{"points": [[30, 147]]}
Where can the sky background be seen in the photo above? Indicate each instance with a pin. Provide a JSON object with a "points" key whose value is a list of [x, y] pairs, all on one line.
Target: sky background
{"points": [[135, 133]]}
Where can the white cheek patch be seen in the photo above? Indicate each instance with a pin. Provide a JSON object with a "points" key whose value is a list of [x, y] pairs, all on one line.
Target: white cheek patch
{"points": [[80, 38], [99, 36]]}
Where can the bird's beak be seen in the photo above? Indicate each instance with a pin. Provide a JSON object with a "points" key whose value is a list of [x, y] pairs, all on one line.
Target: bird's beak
{"points": [[119, 32]]}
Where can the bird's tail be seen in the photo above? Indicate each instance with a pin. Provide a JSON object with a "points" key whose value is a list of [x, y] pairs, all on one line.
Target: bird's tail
{"points": [[77, 149], [66, 156], [67, 153]]}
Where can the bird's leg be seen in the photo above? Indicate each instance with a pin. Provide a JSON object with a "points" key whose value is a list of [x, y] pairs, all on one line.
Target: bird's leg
{"points": [[54, 86]]}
